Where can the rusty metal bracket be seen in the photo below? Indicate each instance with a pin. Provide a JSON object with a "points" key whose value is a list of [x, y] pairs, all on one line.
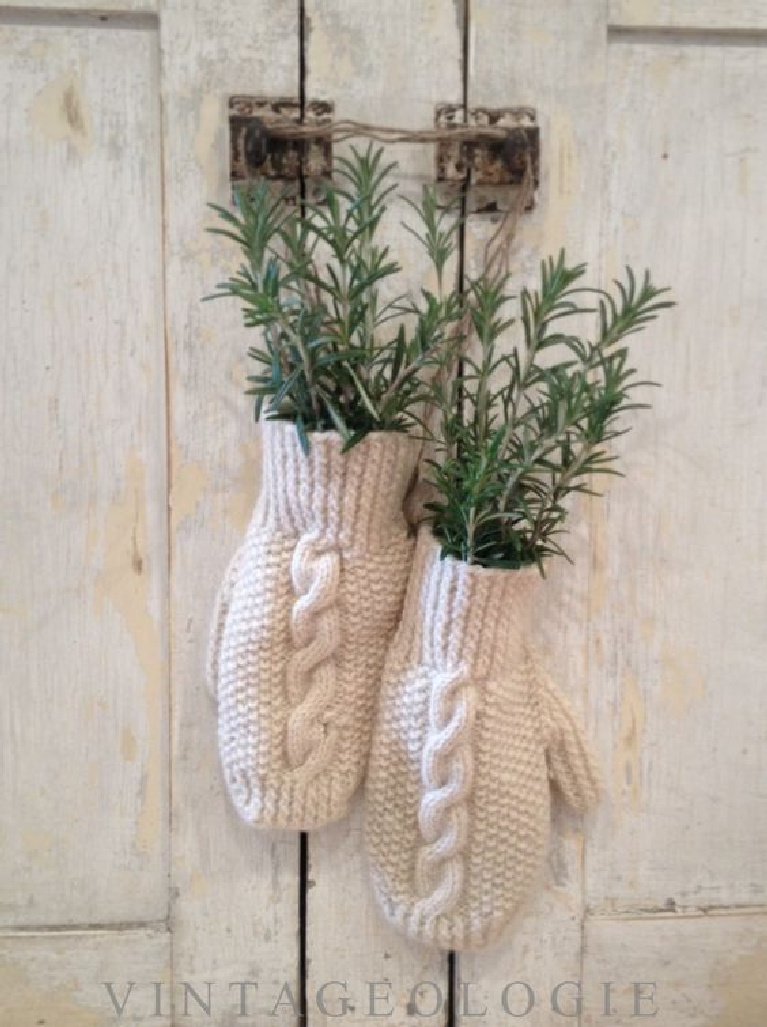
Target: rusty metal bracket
{"points": [[495, 153], [255, 153], [488, 161]]}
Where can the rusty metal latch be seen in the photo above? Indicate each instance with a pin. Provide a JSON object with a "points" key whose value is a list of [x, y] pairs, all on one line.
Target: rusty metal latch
{"points": [[494, 146], [256, 153], [488, 161]]}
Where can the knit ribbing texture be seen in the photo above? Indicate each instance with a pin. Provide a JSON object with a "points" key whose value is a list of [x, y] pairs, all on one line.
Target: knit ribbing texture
{"points": [[301, 624], [468, 735]]}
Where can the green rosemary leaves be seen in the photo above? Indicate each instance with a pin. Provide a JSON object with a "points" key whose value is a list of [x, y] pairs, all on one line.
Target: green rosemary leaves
{"points": [[518, 428], [334, 355], [535, 424]]}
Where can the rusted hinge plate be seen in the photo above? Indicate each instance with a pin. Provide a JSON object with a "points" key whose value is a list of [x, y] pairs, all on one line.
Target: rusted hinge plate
{"points": [[491, 162], [254, 153]]}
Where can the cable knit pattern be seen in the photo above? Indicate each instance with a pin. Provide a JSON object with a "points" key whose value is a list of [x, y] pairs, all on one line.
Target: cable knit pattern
{"points": [[447, 770], [316, 631], [468, 734], [303, 620]]}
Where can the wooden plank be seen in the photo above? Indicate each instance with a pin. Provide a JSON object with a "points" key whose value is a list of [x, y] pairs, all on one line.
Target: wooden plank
{"points": [[84, 554], [401, 65], [687, 971], [526, 53], [711, 15], [678, 606], [235, 914], [46, 10], [86, 978]]}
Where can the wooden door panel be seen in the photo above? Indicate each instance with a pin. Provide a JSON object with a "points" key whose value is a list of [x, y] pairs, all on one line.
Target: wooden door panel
{"points": [[678, 605], [402, 66], [88, 978], [689, 972], [84, 553], [235, 890], [530, 54], [114, 131]]}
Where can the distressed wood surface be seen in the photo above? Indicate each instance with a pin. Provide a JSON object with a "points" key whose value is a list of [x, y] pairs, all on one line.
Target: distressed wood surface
{"points": [[235, 890], [705, 15], [681, 971], [87, 979], [530, 54], [678, 604], [83, 541], [18, 10], [653, 145], [347, 938]]}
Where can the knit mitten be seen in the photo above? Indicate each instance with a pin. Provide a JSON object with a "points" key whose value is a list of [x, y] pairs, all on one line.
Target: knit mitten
{"points": [[468, 734], [306, 610]]}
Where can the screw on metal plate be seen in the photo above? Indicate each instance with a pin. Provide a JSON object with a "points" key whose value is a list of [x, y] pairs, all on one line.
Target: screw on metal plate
{"points": [[488, 161], [255, 152]]}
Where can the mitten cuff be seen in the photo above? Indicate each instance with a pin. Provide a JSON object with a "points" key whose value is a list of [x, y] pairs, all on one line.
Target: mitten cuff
{"points": [[291, 804], [460, 614], [352, 500]]}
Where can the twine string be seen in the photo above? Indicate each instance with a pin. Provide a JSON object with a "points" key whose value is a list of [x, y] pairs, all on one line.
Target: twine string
{"points": [[498, 248], [339, 131]]}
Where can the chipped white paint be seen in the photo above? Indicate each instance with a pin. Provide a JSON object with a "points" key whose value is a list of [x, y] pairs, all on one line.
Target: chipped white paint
{"points": [[679, 604], [692, 972], [81, 979], [59, 112], [83, 543], [235, 890]]}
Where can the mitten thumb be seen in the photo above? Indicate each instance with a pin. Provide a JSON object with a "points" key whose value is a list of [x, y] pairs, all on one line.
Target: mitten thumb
{"points": [[571, 763]]}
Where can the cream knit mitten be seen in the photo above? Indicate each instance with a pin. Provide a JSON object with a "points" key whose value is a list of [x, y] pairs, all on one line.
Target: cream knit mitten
{"points": [[468, 734], [302, 621]]}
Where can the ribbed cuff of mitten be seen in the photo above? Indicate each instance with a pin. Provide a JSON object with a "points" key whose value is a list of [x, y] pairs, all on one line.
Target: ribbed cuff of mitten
{"points": [[459, 613], [282, 803], [352, 500]]}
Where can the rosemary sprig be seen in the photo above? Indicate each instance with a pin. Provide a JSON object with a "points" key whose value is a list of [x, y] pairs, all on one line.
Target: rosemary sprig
{"points": [[332, 355], [514, 452]]}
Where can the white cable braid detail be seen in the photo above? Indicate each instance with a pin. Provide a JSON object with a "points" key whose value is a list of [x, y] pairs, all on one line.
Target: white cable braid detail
{"points": [[315, 624], [447, 772]]}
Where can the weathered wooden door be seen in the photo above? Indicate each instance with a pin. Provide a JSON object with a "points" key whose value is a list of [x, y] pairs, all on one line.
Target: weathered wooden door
{"points": [[129, 891]]}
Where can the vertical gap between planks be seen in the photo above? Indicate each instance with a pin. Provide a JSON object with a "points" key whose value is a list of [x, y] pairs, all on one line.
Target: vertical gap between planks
{"points": [[463, 206], [303, 872], [603, 215], [452, 961], [303, 847], [452, 984], [169, 536], [302, 73]]}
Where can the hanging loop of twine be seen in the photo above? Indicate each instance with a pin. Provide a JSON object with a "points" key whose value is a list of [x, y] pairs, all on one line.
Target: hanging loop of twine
{"points": [[498, 247]]}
